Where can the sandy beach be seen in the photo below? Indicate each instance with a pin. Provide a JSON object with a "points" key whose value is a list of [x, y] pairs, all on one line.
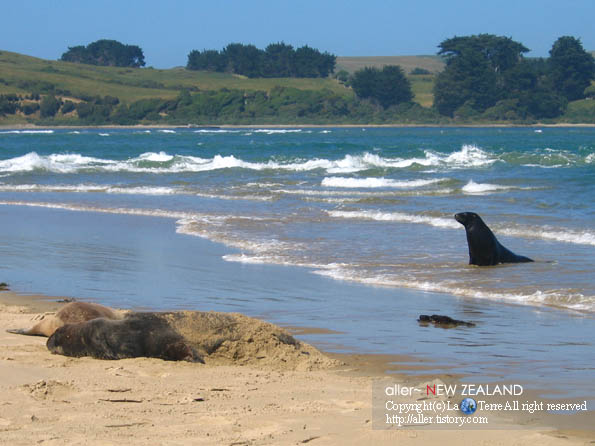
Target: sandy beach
{"points": [[52, 399]]}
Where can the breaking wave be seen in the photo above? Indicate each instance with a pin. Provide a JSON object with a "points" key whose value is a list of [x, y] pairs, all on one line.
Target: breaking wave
{"points": [[364, 183], [161, 162], [27, 132], [481, 188]]}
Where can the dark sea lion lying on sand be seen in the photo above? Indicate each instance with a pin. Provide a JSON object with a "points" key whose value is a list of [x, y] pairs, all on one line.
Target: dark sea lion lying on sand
{"points": [[70, 314], [484, 248], [219, 338], [442, 321], [137, 335]]}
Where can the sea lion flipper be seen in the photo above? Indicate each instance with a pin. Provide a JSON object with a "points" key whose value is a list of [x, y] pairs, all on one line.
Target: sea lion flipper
{"points": [[27, 332]]}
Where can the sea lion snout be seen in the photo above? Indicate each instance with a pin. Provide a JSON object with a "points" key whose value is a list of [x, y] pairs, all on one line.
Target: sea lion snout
{"points": [[53, 346]]}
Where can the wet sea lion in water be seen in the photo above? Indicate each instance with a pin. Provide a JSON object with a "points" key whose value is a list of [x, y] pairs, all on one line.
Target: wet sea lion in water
{"points": [[484, 247], [136, 335], [70, 314], [442, 321]]}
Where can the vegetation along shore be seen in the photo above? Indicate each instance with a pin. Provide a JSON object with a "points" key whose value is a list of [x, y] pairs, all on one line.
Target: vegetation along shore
{"points": [[473, 80]]}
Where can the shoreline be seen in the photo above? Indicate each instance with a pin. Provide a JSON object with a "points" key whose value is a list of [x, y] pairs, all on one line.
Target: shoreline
{"points": [[287, 126], [54, 399]]}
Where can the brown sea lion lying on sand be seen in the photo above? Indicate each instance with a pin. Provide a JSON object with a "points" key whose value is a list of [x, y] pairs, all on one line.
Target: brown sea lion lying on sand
{"points": [[71, 313]]}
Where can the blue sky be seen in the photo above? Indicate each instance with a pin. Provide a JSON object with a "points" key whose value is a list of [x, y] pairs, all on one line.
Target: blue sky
{"points": [[168, 30]]}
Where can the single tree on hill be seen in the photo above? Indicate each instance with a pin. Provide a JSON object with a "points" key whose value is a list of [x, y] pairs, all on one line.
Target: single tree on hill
{"points": [[107, 53]]}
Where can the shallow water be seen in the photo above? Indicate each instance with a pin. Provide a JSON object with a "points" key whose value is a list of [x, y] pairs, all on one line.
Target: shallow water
{"points": [[346, 229]]}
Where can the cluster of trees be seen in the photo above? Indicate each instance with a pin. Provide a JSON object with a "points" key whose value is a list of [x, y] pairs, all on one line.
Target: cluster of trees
{"points": [[107, 53], [388, 86], [8, 104], [277, 60], [488, 76]]}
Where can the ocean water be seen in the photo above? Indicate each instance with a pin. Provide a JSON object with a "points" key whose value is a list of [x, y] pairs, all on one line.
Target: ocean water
{"points": [[349, 229]]}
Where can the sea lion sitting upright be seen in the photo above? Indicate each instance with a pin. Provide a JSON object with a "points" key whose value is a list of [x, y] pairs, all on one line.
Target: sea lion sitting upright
{"points": [[137, 335], [70, 314], [484, 247]]}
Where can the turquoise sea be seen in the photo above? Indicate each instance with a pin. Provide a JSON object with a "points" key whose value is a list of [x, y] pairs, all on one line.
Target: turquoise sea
{"points": [[349, 229]]}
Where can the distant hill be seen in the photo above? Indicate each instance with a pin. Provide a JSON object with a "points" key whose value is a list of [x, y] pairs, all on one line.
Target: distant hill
{"points": [[30, 77], [433, 64], [23, 74]]}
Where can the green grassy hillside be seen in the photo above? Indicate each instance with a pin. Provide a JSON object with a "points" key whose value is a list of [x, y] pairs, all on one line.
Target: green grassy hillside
{"points": [[32, 78], [433, 64], [22, 74]]}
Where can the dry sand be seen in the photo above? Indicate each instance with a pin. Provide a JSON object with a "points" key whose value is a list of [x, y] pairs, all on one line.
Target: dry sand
{"points": [[54, 400]]}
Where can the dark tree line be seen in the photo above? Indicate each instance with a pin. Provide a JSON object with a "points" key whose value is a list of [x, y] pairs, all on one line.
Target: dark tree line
{"points": [[276, 60], [107, 53], [489, 75]]}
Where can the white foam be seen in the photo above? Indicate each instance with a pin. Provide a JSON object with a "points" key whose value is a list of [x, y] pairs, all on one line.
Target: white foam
{"points": [[275, 131], [469, 156], [182, 163], [160, 157], [28, 132], [559, 298], [400, 217], [83, 208], [126, 190], [590, 158], [349, 193], [578, 237], [166, 131], [474, 188], [54, 188], [363, 183], [216, 131], [142, 190], [60, 163], [104, 134]]}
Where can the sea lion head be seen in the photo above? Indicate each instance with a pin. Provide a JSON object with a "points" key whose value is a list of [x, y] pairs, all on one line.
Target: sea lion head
{"points": [[59, 338], [467, 219]]}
